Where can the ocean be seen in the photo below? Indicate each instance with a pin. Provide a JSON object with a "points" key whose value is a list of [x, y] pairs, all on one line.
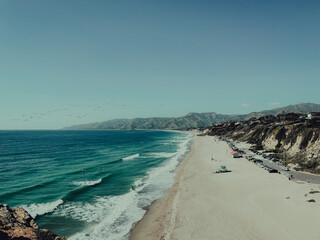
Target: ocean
{"points": [[88, 184]]}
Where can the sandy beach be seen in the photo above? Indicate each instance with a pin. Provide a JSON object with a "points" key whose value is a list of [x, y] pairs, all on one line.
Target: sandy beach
{"points": [[247, 203]]}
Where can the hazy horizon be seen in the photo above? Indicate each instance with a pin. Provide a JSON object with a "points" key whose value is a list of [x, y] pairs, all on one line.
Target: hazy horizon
{"points": [[76, 62], [63, 128]]}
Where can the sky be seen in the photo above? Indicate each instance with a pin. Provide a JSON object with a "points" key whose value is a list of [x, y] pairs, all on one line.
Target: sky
{"points": [[72, 62]]}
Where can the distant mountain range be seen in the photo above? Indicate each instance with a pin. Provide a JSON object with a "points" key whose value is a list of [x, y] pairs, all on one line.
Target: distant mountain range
{"points": [[189, 121]]}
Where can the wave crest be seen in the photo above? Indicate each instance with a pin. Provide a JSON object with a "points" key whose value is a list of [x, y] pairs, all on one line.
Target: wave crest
{"points": [[38, 209], [87, 183], [131, 157], [162, 155]]}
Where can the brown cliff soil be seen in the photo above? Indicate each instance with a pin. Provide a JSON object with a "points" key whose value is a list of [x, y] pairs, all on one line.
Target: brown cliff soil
{"points": [[294, 138]]}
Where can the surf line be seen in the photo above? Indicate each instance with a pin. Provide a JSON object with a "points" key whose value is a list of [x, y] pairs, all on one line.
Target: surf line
{"points": [[131, 157]]}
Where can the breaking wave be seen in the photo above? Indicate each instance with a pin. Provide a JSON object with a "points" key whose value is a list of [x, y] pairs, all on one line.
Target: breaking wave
{"points": [[131, 157], [38, 209], [87, 183]]}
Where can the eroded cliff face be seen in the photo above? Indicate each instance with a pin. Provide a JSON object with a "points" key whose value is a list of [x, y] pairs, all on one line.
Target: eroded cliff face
{"points": [[17, 224], [294, 138]]}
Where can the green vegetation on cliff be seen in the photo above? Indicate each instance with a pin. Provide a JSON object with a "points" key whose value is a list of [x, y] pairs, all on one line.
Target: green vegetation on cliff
{"points": [[292, 137]]}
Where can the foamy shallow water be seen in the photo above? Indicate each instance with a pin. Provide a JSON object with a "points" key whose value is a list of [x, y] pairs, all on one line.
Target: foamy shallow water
{"points": [[100, 196]]}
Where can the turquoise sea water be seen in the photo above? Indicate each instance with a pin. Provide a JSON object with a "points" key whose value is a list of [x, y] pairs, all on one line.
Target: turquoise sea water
{"points": [[88, 184]]}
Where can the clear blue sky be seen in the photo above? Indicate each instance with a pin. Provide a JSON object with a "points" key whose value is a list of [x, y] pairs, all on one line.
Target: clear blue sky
{"points": [[73, 62]]}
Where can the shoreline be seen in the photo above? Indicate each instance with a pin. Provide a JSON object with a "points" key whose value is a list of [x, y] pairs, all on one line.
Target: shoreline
{"points": [[247, 203], [152, 216], [169, 190]]}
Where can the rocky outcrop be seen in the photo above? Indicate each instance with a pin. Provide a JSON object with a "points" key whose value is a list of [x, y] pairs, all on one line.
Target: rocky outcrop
{"points": [[17, 224], [292, 137]]}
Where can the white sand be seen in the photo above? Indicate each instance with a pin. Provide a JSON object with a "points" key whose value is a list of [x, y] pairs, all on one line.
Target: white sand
{"points": [[248, 203]]}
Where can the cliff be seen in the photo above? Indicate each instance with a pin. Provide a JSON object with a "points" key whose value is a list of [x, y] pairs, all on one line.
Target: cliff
{"points": [[294, 138], [17, 224]]}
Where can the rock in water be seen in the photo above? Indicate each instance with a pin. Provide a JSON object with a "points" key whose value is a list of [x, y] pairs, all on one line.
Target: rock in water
{"points": [[17, 224]]}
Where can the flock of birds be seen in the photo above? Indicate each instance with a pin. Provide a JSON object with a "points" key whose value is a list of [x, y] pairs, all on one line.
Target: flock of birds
{"points": [[34, 115], [84, 107]]}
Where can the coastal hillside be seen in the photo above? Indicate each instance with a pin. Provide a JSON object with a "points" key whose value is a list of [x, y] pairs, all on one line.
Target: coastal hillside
{"points": [[292, 137], [303, 108], [189, 121]]}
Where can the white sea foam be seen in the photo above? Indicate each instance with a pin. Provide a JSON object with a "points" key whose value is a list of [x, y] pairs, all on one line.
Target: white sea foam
{"points": [[38, 209], [161, 178], [112, 217], [139, 184], [93, 212], [87, 183], [161, 155], [131, 157]]}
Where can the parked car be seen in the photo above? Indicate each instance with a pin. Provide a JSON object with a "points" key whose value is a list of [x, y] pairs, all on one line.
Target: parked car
{"points": [[257, 160], [249, 157]]}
